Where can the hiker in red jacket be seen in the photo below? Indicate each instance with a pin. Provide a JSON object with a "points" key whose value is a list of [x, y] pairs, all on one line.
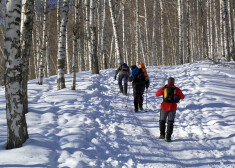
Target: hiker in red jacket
{"points": [[168, 107]]}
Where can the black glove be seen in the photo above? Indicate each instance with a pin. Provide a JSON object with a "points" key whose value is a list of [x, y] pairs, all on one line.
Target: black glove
{"points": [[115, 77]]}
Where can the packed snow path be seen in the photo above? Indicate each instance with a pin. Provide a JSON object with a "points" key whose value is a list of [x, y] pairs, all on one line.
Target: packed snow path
{"points": [[95, 126]]}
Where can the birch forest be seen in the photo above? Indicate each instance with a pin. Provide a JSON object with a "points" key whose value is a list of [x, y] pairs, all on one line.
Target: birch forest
{"points": [[43, 38]]}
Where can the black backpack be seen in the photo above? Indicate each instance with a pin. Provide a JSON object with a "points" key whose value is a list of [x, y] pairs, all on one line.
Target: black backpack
{"points": [[124, 67], [139, 78], [170, 95]]}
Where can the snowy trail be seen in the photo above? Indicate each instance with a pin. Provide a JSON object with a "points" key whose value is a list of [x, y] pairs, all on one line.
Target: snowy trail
{"points": [[92, 127]]}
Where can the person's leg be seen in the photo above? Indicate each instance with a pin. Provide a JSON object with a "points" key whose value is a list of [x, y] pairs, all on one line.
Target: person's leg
{"points": [[120, 83], [125, 84], [135, 97], [170, 125], [162, 123], [141, 97]]}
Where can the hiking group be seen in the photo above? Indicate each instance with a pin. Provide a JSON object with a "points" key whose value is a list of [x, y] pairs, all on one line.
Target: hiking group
{"points": [[140, 80]]}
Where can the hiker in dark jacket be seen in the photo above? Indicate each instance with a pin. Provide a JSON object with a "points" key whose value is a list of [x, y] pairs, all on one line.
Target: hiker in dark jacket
{"points": [[124, 73], [168, 110], [139, 83]]}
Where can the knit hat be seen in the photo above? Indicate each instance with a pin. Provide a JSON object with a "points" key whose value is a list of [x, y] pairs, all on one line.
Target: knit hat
{"points": [[171, 80]]}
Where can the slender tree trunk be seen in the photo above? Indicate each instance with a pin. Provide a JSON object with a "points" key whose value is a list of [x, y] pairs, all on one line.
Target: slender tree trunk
{"points": [[26, 41], [124, 34], [226, 28], [17, 132], [105, 59], [75, 44], [137, 32], [204, 31], [163, 61], [62, 41], [95, 67], [43, 52], [181, 38], [222, 36], [212, 28], [48, 58], [154, 33], [115, 32], [68, 57], [146, 34], [188, 59]]}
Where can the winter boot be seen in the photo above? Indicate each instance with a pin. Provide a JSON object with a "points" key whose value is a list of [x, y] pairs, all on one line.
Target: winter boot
{"points": [[136, 110], [141, 108], [162, 127], [170, 125]]}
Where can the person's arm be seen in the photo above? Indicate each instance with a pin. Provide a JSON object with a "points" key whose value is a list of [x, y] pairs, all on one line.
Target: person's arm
{"points": [[179, 93], [160, 92]]}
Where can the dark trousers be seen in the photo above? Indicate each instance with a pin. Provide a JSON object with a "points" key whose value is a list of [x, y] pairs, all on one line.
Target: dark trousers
{"points": [[170, 116], [138, 92], [124, 78]]}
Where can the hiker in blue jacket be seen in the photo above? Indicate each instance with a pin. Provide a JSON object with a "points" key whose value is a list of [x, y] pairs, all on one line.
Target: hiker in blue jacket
{"points": [[139, 82]]}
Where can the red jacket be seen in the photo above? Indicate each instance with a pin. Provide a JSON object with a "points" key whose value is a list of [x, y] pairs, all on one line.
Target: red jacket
{"points": [[169, 106]]}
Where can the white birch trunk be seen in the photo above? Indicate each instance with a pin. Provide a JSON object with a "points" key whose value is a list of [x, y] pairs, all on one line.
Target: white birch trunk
{"points": [[95, 66], [68, 57], [62, 43], [180, 19], [212, 28], [17, 132], [48, 58], [226, 28], [222, 36], [88, 36], [137, 33], [115, 32], [26, 40], [204, 31], [208, 27], [163, 62], [146, 35], [216, 36], [124, 35], [75, 44], [44, 41], [188, 59], [154, 33], [105, 59]]}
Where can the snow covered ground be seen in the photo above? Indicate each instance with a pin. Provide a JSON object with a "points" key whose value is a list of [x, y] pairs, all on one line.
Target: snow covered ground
{"points": [[92, 127]]}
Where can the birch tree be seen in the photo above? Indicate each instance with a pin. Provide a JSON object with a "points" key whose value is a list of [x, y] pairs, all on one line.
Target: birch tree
{"points": [[124, 48], [154, 33], [137, 23], [188, 32], [62, 43], [68, 57], [25, 48], [180, 19], [95, 67], [205, 39], [163, 62], [115, 32], [17, 132], [226, 29], [44, 41], [146, 34], [75, 44], [105, 61]]}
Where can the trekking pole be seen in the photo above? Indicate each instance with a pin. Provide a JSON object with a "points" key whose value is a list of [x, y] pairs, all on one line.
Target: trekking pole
{"points": [[146, 100]]}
